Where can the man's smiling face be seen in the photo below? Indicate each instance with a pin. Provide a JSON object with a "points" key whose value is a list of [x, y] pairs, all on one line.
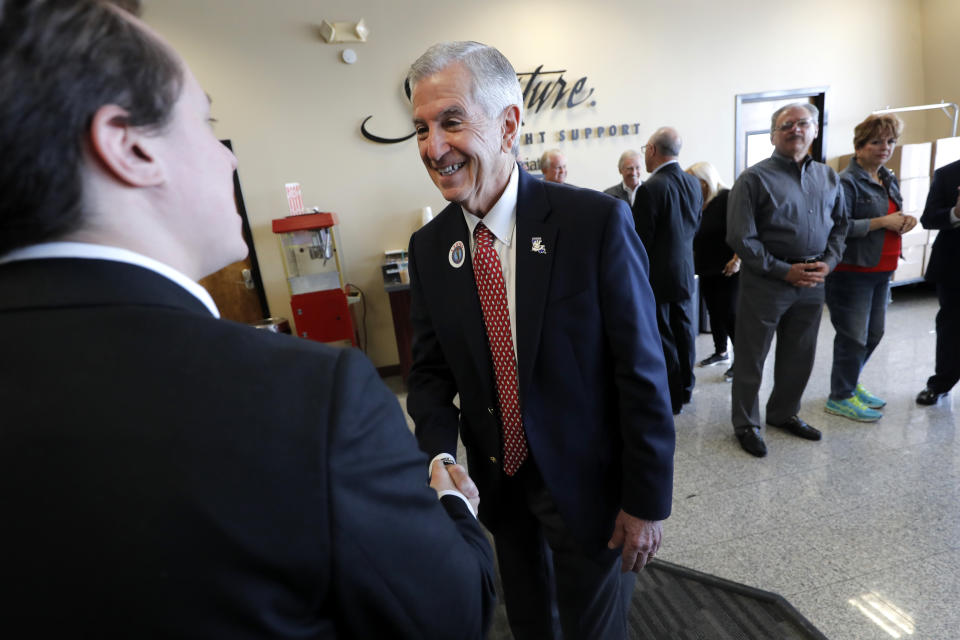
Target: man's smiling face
{"points": [[466, 152]]}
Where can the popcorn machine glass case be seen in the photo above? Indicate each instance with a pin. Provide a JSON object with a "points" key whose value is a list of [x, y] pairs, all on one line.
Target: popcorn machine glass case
{"points": [[314, 279]]}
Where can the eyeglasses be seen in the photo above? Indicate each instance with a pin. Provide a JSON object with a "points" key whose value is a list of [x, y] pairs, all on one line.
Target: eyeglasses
{"points": [[643, 149], [803, 125]]}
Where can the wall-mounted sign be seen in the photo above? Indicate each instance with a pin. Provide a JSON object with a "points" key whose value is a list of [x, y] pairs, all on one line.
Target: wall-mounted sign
{"points": [[540, 90], [585, 133]]}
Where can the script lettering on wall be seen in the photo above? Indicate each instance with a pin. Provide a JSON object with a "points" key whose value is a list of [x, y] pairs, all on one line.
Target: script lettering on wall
{"points": [[540, 89]]}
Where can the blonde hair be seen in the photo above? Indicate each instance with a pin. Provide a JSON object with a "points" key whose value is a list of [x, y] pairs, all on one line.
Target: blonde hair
{"points": [[709, 174]]}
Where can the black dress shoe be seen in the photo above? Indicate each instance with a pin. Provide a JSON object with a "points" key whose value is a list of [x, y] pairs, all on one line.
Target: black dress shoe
{"points": [[751, 441], [928, 396], [799, 428]]}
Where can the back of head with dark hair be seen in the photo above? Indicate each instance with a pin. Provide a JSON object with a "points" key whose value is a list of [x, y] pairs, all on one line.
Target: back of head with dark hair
{"points": [[60, 61]]}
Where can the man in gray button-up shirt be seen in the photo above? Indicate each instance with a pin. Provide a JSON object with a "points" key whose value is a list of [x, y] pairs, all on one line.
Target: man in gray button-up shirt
{"points": [[786, 221]]}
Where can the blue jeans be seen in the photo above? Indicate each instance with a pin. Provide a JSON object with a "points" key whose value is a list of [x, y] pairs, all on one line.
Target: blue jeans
{"points": [[858, 304]]}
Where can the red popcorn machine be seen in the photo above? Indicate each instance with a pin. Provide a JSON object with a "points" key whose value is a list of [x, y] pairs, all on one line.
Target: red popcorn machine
{"points": [[312, 267]]}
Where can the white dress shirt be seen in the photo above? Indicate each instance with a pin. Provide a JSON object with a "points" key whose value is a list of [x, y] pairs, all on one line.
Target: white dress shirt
{"points": [[89, 251]]}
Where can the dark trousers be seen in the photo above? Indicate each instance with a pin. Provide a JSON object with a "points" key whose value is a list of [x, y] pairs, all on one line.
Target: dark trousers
{"points": [[947, 371], [549, 581], [720, 296], [858, 308], [675, 321]]}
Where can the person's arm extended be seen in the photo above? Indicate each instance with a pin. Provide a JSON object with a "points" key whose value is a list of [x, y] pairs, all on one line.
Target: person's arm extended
{"points": [[405, 564], [431, 385]]}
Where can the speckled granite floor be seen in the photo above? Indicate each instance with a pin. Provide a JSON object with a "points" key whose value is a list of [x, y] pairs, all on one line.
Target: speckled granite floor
{"points": [[860, 531]]}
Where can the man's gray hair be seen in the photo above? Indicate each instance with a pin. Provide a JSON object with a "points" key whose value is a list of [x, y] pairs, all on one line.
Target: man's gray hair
{"points": [[811, 109], [667, 141], [547, 158], [495, 86], [626, 155]]}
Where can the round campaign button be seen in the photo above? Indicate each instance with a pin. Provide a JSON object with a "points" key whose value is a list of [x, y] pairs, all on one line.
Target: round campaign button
{"points": [[457, 254]]}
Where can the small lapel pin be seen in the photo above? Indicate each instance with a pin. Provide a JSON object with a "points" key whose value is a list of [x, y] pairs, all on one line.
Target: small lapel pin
{"points": [[537, 246], [457, 254]]}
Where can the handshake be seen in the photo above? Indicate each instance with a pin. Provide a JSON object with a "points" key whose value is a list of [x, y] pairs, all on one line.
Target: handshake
{"points": [[448, 476]]}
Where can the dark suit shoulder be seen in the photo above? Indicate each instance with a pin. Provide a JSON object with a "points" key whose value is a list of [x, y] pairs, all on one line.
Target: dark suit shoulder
{"points": [[567, 198], [947, 170]]}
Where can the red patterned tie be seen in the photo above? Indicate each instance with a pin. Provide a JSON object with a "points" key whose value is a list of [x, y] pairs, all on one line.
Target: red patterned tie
{"points": [[496, 318]]}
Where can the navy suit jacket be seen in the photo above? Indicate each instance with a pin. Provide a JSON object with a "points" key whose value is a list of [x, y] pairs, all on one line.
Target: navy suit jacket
{"points": [[593, 389], [165, 474], [945, 259], [666, 213]]}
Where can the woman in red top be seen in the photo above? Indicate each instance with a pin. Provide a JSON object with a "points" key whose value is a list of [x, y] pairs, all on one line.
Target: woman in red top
{"points": [[857, 290]]}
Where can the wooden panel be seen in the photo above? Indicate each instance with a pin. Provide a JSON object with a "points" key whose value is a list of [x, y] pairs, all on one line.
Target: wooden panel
{"points": [[236, 299], [400, 309]]}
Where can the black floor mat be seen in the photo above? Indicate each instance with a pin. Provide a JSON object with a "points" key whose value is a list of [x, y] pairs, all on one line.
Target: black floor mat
{"points": [[674, 602], [671, 602]]}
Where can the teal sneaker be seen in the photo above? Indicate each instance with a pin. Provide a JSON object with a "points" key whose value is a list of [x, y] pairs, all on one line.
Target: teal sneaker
{"points": [[852, 408], [868, 399]]}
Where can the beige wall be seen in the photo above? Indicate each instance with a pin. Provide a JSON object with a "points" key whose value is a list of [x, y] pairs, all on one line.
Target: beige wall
{"points": [[941, 50], [293, 110]]}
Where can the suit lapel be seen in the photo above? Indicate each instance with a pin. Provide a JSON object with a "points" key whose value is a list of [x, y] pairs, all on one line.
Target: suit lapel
{"points": [[534, 264], [461, 290]]}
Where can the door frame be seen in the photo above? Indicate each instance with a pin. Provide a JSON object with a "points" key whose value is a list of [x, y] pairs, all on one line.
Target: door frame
{"points": [[818, 150], [248, 238]]}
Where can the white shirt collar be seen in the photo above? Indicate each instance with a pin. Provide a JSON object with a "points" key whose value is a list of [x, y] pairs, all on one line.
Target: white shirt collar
{"points": [[502, 216], [663, 165], [91, 251], [628, 189]]}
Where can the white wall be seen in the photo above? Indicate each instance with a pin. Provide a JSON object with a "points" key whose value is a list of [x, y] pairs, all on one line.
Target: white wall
{"points": [[293, 110]]}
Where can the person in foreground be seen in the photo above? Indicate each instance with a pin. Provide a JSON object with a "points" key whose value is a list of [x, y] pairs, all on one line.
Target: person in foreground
{"points": [[167, 473], [531, 302], [942, 213], [857, 290], [786, 222]]}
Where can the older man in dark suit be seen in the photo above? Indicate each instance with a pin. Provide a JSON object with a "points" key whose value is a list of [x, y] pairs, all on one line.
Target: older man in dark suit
{"points": [[166, 473], [530, 302], [941, 213], [666, 214]]}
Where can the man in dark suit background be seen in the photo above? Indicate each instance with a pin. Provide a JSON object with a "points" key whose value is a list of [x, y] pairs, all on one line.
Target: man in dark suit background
{"points": [[531, 302], [629, 167], [941, 213], [166, 473], [666, 213]]}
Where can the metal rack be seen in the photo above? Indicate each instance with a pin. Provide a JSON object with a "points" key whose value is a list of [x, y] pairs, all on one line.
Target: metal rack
{"points": [[943, 106]]}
